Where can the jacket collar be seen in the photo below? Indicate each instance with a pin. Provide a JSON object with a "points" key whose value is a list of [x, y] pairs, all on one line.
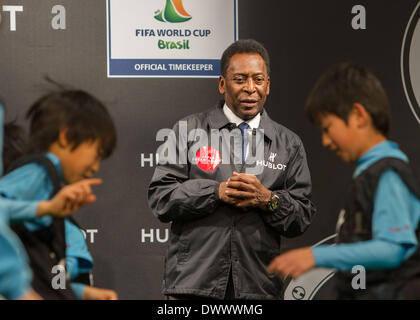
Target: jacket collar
{"points": [[218, 120]]}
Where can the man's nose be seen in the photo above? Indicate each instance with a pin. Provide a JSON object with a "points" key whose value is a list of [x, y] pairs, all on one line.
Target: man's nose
{"points": [[250, 86]]}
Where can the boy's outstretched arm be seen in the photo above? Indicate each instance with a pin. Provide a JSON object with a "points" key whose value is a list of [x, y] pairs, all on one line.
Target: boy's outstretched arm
{"points": [[69, 199], [371, 254], [64, 203], [292, 263]]}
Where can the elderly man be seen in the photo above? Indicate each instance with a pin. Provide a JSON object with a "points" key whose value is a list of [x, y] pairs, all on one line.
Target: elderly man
{"points": [[229, 207]]}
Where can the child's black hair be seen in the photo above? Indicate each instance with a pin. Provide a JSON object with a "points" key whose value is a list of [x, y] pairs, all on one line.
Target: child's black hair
{"points": [[344, 84], [84, 117]]}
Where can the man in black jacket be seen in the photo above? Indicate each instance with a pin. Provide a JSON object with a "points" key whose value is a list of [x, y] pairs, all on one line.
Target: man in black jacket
{"points": [[232, 182]]}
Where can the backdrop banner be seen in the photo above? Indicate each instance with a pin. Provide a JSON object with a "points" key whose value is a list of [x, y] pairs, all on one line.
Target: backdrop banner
{"points": [[179, 39], [154, 62]]}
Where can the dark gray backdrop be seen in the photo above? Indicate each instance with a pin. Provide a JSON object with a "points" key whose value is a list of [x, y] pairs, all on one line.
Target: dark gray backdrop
{"points": [[303, 37]]}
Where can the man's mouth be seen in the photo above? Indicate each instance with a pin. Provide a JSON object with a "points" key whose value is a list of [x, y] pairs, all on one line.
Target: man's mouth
{"points": [[249, 102]]}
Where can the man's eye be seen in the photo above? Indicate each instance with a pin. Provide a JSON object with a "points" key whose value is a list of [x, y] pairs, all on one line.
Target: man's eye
{"points": [[239, 80]]}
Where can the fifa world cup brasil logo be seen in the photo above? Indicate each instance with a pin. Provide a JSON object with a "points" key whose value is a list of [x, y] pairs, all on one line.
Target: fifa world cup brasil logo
{"points": [[174, 12]]}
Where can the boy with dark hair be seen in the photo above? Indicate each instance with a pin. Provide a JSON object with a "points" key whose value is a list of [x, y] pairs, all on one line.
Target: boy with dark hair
{"points": [[378, 227], [70, 132]]}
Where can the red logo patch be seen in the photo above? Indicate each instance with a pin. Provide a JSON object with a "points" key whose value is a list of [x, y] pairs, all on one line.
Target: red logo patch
{"points": [[207, 158]]}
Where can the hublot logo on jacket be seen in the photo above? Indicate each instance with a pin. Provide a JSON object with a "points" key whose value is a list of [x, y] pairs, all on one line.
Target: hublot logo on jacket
{"points": [[270, 164]]}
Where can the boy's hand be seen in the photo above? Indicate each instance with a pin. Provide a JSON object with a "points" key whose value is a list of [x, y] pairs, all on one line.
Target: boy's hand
{"points": [[30, 295], [69, 199], [93, 293], [292, 263]]}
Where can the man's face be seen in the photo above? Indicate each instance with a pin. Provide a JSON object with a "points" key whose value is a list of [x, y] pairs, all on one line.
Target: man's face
{"points": [[246, 85], [340, 137]]}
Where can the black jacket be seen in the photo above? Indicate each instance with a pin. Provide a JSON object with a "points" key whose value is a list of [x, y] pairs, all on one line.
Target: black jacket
{"points": [[209, 239]]}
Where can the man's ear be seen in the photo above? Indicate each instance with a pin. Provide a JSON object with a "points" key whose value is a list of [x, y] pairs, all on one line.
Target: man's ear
{"points": [[222, 83], [363, 117], [62, 137]]}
